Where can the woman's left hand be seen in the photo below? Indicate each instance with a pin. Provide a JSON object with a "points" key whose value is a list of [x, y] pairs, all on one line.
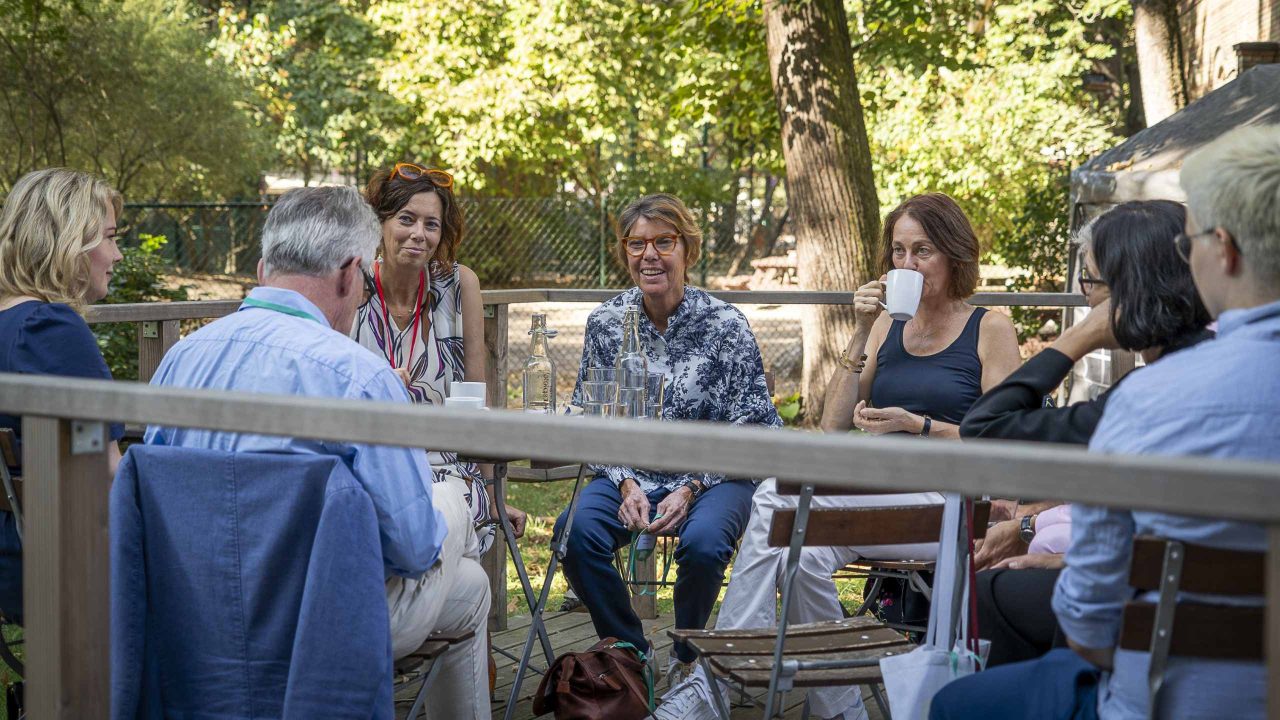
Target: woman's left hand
{"points": [[1048, 561], [879, 421], [518, 520], [674, 508]]}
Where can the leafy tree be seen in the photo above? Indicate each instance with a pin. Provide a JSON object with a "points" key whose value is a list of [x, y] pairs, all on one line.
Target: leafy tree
{"points": [[117, 87], [139, 277]]}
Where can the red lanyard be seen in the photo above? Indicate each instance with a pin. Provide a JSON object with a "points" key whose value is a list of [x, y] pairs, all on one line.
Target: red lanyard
{"points": [[386, 317]]}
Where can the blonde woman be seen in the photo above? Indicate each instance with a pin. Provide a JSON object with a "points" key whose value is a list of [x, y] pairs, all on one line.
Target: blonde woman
{"points": [[57, 251]]}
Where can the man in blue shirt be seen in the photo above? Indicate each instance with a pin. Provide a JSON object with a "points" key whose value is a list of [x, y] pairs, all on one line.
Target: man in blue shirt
{"points": [[290, 337], [1226, 404]]}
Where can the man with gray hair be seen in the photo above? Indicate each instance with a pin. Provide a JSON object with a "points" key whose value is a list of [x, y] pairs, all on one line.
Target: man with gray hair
{"points": [[290, 337], [1226, 405]]}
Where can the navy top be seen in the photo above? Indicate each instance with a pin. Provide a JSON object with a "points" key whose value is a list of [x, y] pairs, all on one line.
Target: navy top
{"points": [[942, 385], [43, 338]]}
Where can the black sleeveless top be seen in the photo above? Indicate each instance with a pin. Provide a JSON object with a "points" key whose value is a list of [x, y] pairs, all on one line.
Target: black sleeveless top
{"points": [[943, 385]]}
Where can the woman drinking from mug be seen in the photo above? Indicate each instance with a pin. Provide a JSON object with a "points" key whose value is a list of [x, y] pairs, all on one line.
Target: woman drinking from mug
{"points": [[423, 311], [922, 376]]}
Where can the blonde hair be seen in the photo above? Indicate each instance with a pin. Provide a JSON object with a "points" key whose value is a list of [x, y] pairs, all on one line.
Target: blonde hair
{"points": [[1234, 183], [668, 209], [49, 222]]}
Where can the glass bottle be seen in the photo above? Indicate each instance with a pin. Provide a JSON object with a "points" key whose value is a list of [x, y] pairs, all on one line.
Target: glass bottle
{"points": [[632, 367], [539, 370]]}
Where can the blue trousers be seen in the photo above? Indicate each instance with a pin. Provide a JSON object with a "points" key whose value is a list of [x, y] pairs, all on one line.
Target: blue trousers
{"points": [[707, 540], [1061, 685]]}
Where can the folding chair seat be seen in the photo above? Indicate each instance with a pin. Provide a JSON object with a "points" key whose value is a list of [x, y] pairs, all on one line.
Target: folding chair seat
{"points": [[421, 665], [1169, 628], [840, 652]]}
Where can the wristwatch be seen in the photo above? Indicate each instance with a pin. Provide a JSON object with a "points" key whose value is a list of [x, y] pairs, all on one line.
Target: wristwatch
{"points": [[1027, 530], [928, 423], [696, 488]]}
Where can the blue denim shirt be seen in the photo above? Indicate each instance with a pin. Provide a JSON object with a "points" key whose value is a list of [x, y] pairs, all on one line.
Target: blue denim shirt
{"points": [[712, 363], [1218, 399], [267, 351]]}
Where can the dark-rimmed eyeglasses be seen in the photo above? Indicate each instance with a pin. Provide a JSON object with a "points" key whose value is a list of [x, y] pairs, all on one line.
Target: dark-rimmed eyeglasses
{"points": [[1088, 282], [1182, 242], [409, 171], [662, 244]]}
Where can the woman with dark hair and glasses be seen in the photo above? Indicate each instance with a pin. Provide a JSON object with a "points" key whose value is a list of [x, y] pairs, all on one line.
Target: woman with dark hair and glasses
{"points": [[1142, 298], [423, 313]]}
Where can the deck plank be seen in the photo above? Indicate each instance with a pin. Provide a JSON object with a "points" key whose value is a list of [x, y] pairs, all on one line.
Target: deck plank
{"points": [[573, 631]]}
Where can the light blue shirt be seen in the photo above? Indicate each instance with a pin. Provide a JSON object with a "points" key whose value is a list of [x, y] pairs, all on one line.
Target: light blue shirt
{"points": [[269, 351], [1218, 399]]}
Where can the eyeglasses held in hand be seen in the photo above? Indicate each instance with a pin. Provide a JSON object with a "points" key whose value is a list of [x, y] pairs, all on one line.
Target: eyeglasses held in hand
{"points": [[409, 171], [663, 244]]}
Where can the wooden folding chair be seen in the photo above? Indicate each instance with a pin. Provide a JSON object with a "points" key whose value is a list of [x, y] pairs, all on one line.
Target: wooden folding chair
{"points": [[842, 652], [421, 663], [1170, 628]]}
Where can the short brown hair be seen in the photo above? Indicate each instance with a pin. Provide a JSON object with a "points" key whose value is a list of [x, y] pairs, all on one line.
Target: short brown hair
{"points": [[388, 195], [670, 210], [948, 228]]}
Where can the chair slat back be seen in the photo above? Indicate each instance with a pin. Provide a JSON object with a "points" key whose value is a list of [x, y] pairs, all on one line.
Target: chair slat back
{"points": [[1205, 631], [9, 447], [1204, 569], [793, 488], [893, 525]]}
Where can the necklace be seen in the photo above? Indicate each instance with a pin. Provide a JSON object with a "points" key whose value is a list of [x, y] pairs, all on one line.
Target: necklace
{"points": [[386, 319]]}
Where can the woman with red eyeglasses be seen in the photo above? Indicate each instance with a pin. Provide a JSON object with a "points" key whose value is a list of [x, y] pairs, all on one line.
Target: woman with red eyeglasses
{"points": [[422, 311]]}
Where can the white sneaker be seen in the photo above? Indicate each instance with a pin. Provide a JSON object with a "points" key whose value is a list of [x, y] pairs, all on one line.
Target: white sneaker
{"points": [[677, 671], [687, 700]]}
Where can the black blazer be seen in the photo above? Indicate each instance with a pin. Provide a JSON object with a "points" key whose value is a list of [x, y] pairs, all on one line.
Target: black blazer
{"points": [[1013, 410]]}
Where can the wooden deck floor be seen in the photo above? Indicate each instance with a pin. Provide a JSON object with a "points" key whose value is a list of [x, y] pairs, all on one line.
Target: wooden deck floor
{"points": [[573, 631]]}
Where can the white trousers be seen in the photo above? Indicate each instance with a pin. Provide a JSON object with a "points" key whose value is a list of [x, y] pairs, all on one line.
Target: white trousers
{"points": [[751, 599], [452, 596]]}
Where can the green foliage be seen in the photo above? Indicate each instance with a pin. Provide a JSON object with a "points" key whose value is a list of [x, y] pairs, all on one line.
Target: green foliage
{"points": [[139, 277], [790, 409], [122, 88]]}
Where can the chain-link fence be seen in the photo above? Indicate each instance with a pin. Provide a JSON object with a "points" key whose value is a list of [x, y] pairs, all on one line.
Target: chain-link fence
{"points": [[510, 242]]}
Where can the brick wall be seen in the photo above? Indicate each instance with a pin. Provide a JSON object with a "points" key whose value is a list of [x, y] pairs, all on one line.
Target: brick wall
{"points": [[1209, 30]]}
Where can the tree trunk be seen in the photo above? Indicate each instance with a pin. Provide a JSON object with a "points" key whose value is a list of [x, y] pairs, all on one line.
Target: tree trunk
{"points": [[1159, 46], [831, 194]]}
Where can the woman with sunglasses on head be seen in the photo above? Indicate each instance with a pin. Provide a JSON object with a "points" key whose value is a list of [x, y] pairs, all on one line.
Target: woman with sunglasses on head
{"points": [[58, 231], [1141, 298], [423, 311], [713, 371]]}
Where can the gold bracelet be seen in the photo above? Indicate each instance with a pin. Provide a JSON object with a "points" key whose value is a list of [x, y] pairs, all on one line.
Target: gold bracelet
{"points": [[848, 364]]}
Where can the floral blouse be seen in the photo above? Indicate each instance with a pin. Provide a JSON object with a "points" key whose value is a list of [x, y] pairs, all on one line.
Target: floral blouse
{"points": [[711, 362]]}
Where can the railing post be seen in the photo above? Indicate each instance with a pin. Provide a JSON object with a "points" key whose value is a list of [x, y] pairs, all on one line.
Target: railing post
{"points": [[66, 582], [1272, 653], [495, 561], [155, 337]]}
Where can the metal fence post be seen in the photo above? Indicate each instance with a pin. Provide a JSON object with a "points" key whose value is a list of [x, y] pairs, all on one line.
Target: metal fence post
{"points": [[604, 238], [65, 574]]}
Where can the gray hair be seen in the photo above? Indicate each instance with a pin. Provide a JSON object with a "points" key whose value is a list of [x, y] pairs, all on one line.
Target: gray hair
{"points": [[1234, 183], [312, 231]]}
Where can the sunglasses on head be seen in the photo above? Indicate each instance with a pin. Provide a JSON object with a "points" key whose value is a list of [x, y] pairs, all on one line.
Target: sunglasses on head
{"points": [[409, 171]]}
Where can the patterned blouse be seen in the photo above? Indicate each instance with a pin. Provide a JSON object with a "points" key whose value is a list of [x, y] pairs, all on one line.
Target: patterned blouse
{"points": [[437, 361], [712, 365]]}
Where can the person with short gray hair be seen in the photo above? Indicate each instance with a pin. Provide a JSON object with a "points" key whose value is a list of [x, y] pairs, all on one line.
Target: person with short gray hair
{"points": [[312, 230], [290, 337]]}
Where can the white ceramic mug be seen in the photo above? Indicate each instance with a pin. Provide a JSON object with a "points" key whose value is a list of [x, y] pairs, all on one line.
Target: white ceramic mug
{"points": [[902, 293], [464, 402], [468, 390]]}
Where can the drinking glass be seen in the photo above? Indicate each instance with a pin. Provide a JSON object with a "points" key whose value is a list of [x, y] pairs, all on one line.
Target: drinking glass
{"points": [[600, 391], [654, 390], [590, 409], [601, 374], [652, 412], [630, 402]]}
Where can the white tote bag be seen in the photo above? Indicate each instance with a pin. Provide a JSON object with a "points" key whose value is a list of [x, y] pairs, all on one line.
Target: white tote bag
{"points": [[911, 680]]}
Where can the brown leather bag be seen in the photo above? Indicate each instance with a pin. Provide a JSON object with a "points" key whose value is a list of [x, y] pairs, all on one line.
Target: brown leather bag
{"points": [[607, 682]]}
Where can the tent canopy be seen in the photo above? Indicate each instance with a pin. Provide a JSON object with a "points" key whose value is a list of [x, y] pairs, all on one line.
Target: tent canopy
{"points": [[1145, 166]]}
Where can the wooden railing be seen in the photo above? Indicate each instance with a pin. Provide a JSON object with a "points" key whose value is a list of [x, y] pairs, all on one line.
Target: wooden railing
{"points": [[66, 589], [158, 323]]}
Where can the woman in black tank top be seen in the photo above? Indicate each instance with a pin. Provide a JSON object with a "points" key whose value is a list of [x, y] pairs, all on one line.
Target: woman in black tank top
{"points": [[920, 376]]}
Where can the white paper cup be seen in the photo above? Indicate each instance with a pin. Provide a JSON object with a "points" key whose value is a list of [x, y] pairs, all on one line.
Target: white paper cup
{"points": [[468, 390], [902, 294], [464, 402]]}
